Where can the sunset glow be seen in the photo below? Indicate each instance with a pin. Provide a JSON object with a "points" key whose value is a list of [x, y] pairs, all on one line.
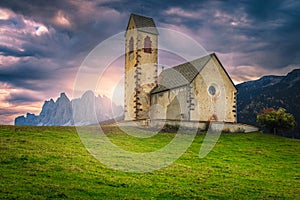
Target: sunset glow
{"points": [[42, 46]]}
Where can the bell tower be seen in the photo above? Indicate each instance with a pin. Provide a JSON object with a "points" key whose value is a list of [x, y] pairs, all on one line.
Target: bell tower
{"points": [[141, 40]]}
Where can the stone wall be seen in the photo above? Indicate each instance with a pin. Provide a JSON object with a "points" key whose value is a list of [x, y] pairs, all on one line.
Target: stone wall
{"points": [[217, 107], [140, 73], [218, 126], [220, 106], [171, 104]]}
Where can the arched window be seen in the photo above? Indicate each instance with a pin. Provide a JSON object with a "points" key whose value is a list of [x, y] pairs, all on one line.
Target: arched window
{"points": [[147, 45], [131, 45]]}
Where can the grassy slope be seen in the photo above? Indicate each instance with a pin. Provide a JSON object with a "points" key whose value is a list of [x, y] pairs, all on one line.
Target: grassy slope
{"points": [[51, 162]]}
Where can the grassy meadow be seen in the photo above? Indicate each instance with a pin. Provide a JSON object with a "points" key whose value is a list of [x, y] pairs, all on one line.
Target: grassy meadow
{"points": [[51, 162]]}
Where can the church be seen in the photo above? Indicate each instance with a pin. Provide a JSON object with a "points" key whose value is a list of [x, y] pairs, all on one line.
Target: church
{"points": [[199, 90]]}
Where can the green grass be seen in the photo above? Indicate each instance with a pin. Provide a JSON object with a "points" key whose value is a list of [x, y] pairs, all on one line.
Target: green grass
{"points": [[51, 162]]}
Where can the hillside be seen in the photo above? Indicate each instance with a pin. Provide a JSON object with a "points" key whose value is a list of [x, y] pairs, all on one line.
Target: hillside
{"points": [[269, 92], [51, 162]]}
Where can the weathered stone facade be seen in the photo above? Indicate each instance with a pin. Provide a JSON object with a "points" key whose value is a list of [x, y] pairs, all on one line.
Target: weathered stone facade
{"points": [[140, 66], [194, 101], [199, 90]]}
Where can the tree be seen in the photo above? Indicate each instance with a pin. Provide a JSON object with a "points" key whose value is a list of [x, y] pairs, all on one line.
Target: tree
{"points": [[275, 120]]}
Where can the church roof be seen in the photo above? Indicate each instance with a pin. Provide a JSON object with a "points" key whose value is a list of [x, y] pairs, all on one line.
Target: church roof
{"points": [[183, 74], [180, 75], [145, 24]]}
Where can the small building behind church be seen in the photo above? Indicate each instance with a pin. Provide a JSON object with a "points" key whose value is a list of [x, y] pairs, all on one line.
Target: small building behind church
{"points": [[198, 90]]}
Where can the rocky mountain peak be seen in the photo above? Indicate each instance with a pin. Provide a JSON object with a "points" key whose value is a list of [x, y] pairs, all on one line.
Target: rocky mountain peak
{"points": [[83, 111], [47, 107], [63, 97], [88, 95]]}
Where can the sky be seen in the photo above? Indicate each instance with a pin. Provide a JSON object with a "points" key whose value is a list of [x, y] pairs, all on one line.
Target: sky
{"points": [[43, 43]]}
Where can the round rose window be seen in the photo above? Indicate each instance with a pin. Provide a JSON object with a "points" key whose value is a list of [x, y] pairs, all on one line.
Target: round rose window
{"points": [[212, 90]]}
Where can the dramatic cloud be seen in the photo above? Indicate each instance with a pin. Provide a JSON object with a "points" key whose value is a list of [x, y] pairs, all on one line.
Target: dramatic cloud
{"points": [[22, 98], [43, 43]]}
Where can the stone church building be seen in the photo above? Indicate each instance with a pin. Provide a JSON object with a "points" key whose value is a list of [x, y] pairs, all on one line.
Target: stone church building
{"points": [[198, 90]]}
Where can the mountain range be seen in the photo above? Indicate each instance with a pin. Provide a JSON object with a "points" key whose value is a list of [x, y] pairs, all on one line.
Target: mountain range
{"points": [[253, 96], [269, 92], [89, 109]]}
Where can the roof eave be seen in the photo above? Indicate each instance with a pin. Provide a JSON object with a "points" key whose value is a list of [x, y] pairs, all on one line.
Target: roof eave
{"points": [[185, 85]]}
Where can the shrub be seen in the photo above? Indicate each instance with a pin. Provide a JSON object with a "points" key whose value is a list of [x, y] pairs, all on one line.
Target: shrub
{"points": [[276, 120]]}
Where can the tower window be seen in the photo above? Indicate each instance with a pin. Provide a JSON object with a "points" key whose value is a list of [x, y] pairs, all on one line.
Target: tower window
{"points": [[131, 45], [147, 45]]}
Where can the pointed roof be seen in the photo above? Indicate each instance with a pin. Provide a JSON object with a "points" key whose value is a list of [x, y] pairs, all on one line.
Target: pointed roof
{"points": [[183, 74], [144, 24]]}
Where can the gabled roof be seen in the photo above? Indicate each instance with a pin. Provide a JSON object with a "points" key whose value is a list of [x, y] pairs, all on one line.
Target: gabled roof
{"points": [[183, 74], [144, 24], [180, 75]]}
